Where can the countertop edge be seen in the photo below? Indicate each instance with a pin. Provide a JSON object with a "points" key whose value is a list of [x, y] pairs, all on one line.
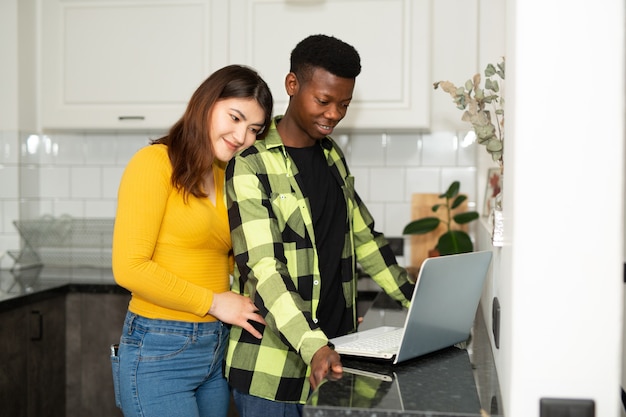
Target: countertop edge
{"points": [[20, 294]]}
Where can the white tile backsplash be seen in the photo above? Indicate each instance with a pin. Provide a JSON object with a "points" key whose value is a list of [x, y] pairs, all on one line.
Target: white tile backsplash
{"points": [[79, 173], [10, 212], [366, 150], [128, 144], [100, 150], [362, 182], [422, 180], [49, 150], [439, 149], [403, 150], [466, 176], [396, 218], [100, 208], [86, 182], [28, 182], [467, 150], [111, 177], [8, 179], [387, 184], [54, 181], [29, 148], [70, 148], [33, 208], [74, 208], [377, 210], [9, 147], [8, 242]]}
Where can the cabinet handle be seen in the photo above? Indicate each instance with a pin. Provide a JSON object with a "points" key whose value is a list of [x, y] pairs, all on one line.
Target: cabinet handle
{"points": [[36, 328], [131, 118]]}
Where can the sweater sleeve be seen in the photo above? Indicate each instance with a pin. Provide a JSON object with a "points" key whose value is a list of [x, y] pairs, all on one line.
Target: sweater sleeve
{"points": [[143, 196]]}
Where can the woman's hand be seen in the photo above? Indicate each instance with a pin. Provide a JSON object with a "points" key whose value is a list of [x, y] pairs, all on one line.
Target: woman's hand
{"points": [[236, 309]]}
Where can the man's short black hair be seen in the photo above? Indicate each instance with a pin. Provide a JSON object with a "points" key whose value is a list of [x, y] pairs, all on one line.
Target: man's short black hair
{"points": [[327, 52]]}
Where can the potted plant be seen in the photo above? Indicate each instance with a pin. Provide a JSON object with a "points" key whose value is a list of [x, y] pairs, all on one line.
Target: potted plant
{"points": [[451, 241]]}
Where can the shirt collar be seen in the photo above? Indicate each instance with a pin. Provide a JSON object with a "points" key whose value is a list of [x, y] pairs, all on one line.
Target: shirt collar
{"points": [[273, 140]]}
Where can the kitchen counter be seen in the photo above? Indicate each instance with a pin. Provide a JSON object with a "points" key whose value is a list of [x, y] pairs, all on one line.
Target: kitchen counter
{"points": [[457, 381], [36, 283]]}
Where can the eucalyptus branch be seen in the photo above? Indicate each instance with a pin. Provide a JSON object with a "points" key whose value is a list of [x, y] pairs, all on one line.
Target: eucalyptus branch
{"points": [[473, 99]]}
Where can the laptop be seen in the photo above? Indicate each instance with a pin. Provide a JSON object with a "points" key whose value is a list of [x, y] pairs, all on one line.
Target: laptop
{"points": [[441, 314]]}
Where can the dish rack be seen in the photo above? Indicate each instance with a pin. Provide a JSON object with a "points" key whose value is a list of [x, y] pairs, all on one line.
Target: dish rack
{"points": [[64, 242]]}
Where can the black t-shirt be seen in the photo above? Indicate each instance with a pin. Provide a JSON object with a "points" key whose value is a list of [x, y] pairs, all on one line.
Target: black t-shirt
{"points": [[328, 209]]}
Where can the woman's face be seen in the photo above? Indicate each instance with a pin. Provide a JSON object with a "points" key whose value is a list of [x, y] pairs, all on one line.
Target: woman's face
{"points": [[234, 125]]}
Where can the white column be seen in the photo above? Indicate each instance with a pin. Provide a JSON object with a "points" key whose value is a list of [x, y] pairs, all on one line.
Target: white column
{"points": [[561, 270]]}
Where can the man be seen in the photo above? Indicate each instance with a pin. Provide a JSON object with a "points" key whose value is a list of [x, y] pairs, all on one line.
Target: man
{"points": [[298, 229]]}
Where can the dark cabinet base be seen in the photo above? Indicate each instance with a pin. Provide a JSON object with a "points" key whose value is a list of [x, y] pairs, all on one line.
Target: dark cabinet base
{"points": [[13, 367], [32, 340], [94, 322], [55, 354]]}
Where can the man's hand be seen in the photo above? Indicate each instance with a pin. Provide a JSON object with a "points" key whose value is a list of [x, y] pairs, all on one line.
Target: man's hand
{"points": [[324, 361], [413, 273]]}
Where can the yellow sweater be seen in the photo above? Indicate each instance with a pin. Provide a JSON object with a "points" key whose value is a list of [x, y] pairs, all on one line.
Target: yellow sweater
{"points": [[172, 256]]}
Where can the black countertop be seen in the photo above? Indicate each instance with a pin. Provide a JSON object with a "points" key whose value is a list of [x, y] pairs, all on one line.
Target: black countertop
{"points": [[457, 381], [22, 287]]}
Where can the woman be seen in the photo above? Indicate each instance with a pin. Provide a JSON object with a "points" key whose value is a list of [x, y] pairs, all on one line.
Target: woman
{"points": [[172, 250]]}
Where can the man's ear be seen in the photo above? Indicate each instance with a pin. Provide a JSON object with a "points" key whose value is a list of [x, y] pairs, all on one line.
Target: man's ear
{"points": [[291, 84]]}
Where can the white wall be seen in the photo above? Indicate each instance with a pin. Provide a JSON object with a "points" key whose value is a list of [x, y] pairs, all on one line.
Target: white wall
{"points": [[8, 123], [9, 67], [560, 283]]}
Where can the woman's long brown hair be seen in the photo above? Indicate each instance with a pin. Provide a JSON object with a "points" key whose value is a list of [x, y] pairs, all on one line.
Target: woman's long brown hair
{"points": [[189, 147]]}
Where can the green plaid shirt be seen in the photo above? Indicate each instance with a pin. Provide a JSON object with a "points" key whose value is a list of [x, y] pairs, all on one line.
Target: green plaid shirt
{"points": [[277, 266]]}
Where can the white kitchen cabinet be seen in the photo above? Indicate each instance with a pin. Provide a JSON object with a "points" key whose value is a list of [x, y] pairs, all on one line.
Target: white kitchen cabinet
{"points": [[454, 57], [391, 36], [119, 65]]}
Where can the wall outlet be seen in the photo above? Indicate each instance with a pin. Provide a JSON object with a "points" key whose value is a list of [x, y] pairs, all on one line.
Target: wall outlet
{"points": [[563, 407]]}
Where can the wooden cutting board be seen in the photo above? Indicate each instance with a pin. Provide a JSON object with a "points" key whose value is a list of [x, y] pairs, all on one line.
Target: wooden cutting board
{"points": [[421, 206]]}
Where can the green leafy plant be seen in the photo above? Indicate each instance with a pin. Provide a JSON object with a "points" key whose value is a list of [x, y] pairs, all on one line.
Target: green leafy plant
{"points": [[478, 103], [451, 241]]}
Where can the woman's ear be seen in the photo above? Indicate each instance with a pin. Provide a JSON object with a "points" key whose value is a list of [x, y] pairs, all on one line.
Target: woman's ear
{"points": [[291, 84]]}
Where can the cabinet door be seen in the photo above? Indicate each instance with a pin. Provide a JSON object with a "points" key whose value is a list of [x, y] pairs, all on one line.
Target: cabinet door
{"points": [[391, 36], [126, 65], [454, 56], [46, 358], [13, 380], [94, 322]]}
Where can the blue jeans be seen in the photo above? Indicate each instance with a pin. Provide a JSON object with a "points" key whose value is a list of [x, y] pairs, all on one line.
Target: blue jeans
{"points": [[170, 368], [251, 406]]}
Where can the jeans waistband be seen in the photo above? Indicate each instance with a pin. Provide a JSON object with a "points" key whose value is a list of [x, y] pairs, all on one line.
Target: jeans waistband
{"points": [[135, 321]]}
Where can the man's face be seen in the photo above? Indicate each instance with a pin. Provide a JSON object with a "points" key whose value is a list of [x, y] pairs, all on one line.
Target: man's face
{"points": [[320, 103]]}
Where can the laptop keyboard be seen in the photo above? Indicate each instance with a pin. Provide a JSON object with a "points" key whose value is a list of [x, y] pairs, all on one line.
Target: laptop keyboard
{"points": [[386, 342]]}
